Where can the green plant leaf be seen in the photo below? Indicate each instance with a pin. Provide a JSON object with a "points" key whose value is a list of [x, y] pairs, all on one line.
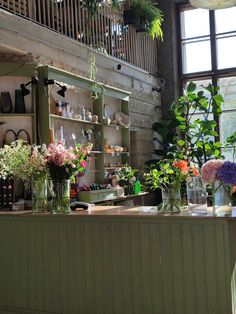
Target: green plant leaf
{"points": [[181, 142], [191, 87]]}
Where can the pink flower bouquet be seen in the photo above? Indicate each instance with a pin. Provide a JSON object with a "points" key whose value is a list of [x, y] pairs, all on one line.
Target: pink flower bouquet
{"points": [[64, 163]]}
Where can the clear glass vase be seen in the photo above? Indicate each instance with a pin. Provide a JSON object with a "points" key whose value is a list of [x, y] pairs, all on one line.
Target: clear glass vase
{"points": [[221, 199], [39, 194], [197, 196], [171, 200], [60, 191]]}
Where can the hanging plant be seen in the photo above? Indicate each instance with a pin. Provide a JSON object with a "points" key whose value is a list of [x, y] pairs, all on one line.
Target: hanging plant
{"points": [[97, 89], [148, 17]]}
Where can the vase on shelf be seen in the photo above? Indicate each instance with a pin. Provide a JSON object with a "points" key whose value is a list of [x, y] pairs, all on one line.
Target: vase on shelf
{"points": [[5, 102], [19, 102], [39, 194], [221, 199], [197, 196], [171, 200], [128, 189], [60, 191]]}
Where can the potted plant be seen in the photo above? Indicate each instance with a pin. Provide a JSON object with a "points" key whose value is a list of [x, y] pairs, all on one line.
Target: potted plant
{"points": [[168, 175], [127, 178], [27, 163], [197, 139], [146, 16]]}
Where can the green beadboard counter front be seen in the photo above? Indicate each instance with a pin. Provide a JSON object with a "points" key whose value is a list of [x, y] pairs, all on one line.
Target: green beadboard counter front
{"points": [[117, 260]]}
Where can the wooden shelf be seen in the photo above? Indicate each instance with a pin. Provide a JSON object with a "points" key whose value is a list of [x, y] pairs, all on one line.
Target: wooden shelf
{"points": [[95, 152], [16, 114], [117, 153], [54, 116], [122, 198], [114, 168], [115, 126]]}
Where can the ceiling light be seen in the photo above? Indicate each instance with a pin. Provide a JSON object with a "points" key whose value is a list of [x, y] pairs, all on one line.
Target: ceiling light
{"points": [[213, 4]]}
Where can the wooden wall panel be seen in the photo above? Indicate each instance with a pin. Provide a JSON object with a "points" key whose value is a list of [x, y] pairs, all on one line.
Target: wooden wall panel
{"points": [[104, 265]]}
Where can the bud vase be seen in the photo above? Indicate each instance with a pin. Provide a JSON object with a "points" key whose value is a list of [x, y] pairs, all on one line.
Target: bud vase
{"points": [[39, 194], [171, 201], [221, 199], [197, 196], [60, 196]]}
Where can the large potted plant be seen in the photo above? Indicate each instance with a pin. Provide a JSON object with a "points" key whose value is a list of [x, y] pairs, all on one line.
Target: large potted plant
{"points": [[146, 16], [191, 136]]}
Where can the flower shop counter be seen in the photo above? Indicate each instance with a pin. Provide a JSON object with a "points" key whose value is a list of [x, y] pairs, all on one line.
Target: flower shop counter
{"points": [[113, 259]]}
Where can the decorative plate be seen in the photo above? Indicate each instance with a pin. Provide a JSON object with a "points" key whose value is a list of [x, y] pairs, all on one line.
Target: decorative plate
{"points": [[108, 113]]}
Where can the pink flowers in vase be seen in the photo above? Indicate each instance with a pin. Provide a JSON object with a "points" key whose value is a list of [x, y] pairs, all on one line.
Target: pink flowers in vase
{"points": [[63, 163], [215, 169]]}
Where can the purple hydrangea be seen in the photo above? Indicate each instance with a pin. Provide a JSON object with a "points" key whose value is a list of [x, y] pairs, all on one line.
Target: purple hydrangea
{"points": [[227, 173]]}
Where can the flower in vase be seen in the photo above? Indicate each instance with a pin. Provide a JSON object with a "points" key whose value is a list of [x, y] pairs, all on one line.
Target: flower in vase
{"points": [[83, 163], [209, 170], [227, 173], [169, 174], [182, 165], [64, 163], [37, 161], [14, 160], [222, 178]]}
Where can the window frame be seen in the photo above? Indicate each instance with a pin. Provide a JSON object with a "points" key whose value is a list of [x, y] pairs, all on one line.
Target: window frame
{"points": [[213, 74]]}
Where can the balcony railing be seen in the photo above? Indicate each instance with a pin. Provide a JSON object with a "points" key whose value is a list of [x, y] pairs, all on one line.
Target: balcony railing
{"points": [[106, 31]]}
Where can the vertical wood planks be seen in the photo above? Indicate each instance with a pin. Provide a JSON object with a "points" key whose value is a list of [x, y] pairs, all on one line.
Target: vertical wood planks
{"points": [[105, 265]]}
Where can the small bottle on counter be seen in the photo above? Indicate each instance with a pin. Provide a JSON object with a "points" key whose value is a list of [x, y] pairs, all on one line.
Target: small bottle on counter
{"points": [[137, 186]]}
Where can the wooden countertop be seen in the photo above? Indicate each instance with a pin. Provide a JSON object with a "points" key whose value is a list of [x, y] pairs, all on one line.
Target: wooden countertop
{"points": [[122, 211]]}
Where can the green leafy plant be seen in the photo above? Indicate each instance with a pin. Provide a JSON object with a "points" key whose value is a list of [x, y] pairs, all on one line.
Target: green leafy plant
{"points": [[97, 89], [187, 137], [168, 173], [149, 16], [127, 176]]}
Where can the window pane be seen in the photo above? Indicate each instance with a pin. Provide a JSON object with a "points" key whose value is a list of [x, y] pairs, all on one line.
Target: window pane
{"points": [[196, 57], [230, 154], [225, 20], [228, 90], [204, 83], [226, 48], [190, 26], [202, 117], [227, 124]]}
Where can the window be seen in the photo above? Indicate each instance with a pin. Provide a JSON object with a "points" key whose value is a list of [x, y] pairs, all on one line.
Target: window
{"points": [[208, 45]]}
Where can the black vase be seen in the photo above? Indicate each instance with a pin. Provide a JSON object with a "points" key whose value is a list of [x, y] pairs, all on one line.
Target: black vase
{"points": [[19, 102], [5, 102]]}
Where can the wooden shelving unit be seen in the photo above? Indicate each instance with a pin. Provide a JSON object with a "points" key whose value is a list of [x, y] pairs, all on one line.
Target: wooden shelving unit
{"points": [[78, 91], [11, 76]]}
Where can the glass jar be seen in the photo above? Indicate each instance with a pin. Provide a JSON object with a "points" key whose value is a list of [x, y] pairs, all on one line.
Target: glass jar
{"points": [[60, 191], [197, 196], [221, 199], [39, 194], [171, 200]]}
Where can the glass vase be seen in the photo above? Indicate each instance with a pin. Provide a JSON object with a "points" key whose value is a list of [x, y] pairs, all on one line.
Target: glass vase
{"points": [[171, 200], [60, 191], [197, 196], [39, 194], [221, 199]]}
